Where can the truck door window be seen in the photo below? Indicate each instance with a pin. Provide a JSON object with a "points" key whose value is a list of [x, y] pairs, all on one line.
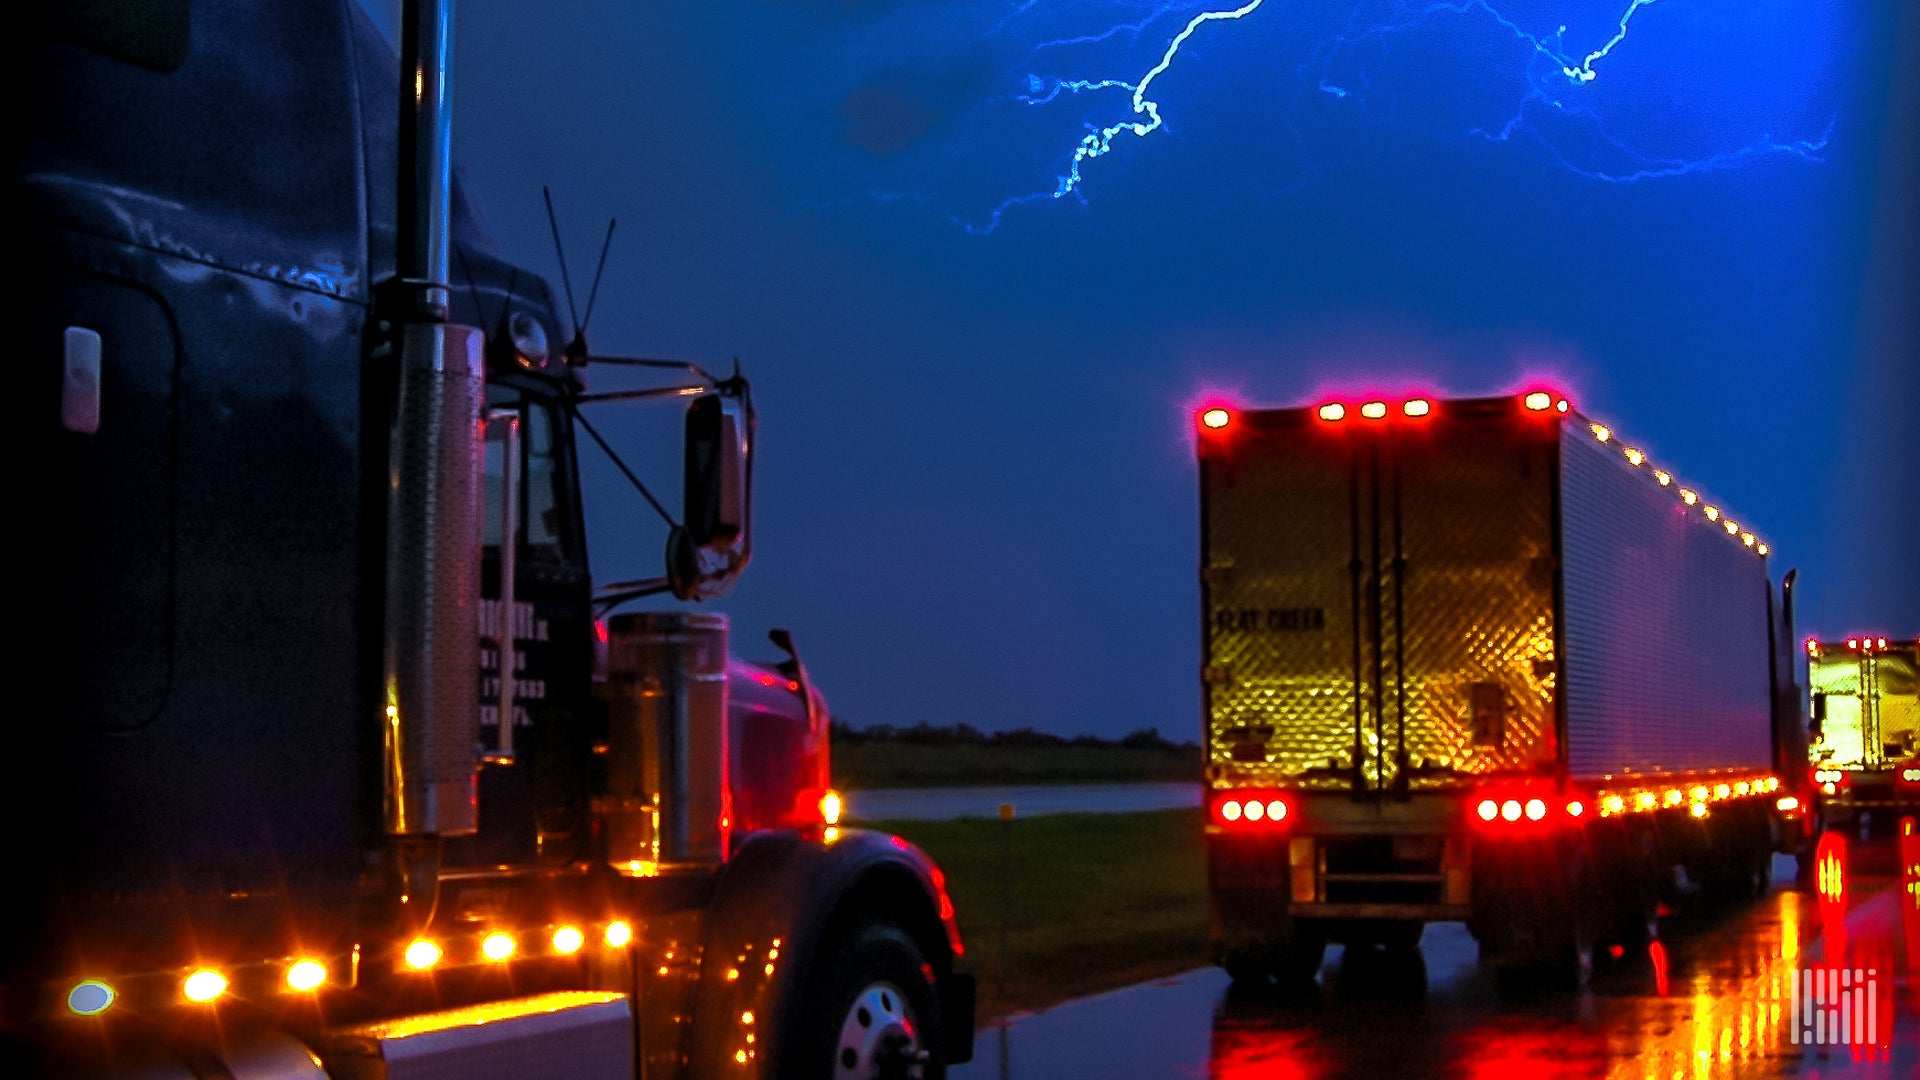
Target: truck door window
{"points": [[545, 522]]}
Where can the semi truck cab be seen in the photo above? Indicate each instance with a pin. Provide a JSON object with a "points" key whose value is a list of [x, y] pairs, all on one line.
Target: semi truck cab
{"points": [[348, 760]]}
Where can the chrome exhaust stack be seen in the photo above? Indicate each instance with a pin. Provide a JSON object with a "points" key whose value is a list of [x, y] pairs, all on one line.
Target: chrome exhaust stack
{"points": [[430, 675], [668, 806]]}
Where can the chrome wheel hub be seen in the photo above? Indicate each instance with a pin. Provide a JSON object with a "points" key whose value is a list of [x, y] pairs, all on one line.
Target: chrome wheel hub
{"points": [[879, 1039]]}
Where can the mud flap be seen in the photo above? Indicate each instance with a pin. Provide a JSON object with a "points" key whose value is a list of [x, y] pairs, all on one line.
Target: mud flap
{"points": [[957, 1012]]}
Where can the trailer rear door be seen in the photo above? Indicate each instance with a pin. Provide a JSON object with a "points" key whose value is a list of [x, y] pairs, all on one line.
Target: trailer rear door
{"points": [[1379, 596]]}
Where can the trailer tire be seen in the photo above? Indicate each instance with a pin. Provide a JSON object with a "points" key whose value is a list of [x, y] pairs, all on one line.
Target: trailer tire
{"points": [[874, 1013]]}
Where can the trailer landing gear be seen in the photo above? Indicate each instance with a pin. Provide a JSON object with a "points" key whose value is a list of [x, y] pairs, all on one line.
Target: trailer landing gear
{"points": [[1291, 957]]}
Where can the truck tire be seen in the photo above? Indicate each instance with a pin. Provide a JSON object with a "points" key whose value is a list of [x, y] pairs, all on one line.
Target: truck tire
{"points": [[874, 1013]]}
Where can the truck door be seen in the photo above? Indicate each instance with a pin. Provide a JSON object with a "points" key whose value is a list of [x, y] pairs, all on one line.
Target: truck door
{"points": [[535, 658], [1379, 598], [110, 361]]}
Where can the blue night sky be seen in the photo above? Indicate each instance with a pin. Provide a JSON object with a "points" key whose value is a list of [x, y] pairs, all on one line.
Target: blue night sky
{"points": [[975, 490]]}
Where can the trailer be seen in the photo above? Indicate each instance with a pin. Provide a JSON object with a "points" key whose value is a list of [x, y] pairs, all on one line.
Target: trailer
{"points": [[341, 761], [1864, 700], [1480, 660]]}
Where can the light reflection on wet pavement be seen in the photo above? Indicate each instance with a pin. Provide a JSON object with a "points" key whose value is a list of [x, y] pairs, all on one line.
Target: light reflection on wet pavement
{"points": [[1725, 1009]]}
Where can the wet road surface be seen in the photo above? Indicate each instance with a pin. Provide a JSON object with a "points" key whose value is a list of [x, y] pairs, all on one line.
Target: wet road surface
{"points": [[945, 804], [1712, 998]]}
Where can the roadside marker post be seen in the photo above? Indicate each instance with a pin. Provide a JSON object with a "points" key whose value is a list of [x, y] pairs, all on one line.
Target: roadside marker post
{"points": [[1006, 894]]}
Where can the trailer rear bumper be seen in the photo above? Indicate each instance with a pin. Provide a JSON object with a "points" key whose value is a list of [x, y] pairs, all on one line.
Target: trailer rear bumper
{"points": [[1416, 912], [1342, 862]]}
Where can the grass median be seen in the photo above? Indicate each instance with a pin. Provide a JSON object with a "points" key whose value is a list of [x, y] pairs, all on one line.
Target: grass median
{"points": [[887, 764], [1093, 901]]}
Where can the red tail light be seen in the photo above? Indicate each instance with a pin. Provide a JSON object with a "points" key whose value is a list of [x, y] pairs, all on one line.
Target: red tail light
{"points": [[1516, 811], [1251, 809], [1215, 419]]}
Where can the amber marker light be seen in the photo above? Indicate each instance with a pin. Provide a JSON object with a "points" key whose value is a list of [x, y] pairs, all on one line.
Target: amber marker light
{"points": [[1635, 457], [1747, 539], [1601, 432], [1761, 548], [618, 935], [306, 975], [1713, 513], [1215, 419], [567, 940], [1665, 478], [497, 947], [1374, 410], [1698, 809], [1786, 803], [830, 807], [1332, 411], [422, 954], [204, 985], [1688, 497], [90, 998]]}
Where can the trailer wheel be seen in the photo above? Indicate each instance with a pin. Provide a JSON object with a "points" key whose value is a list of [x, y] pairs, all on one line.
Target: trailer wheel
{"points": [[875, 1015]]}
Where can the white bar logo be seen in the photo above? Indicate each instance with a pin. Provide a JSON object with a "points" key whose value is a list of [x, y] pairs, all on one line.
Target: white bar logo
{"points": [[1835, 1006]]}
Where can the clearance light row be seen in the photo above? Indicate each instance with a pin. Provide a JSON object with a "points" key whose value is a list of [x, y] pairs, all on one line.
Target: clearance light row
{"points": [[1332, 412], [1696, 797], [1854, 644], [303, 975], [1638, 459]]}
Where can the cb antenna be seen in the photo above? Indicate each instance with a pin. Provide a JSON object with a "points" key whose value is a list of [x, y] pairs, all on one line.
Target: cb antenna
{"points": [[576, 350]]}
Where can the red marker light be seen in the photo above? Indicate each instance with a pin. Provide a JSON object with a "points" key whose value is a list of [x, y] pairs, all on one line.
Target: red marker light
{"points": [[1333, 410], [1417, 407], [1216, 419], [1374, 410], [1561, 405], [1880, 644], [1539, 401], [1853, 644]]}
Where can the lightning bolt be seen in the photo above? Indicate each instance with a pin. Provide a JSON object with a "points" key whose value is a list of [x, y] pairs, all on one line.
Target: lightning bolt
{"points": [[1553, 72]]}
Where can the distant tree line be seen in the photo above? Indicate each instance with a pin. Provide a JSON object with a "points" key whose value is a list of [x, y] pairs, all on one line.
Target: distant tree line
{"points": [[925, 734]]}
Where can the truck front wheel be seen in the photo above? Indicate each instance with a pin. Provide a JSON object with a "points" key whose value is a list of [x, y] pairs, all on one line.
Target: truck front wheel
{"points": [[875, 1015]]}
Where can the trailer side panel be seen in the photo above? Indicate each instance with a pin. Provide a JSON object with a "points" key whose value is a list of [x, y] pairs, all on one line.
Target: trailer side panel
{"points": [[1665, 624]]}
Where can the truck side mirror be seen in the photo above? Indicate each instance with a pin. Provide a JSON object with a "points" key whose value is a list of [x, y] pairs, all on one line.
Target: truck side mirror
{"points": [[707, 553], [1819, 707]]}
